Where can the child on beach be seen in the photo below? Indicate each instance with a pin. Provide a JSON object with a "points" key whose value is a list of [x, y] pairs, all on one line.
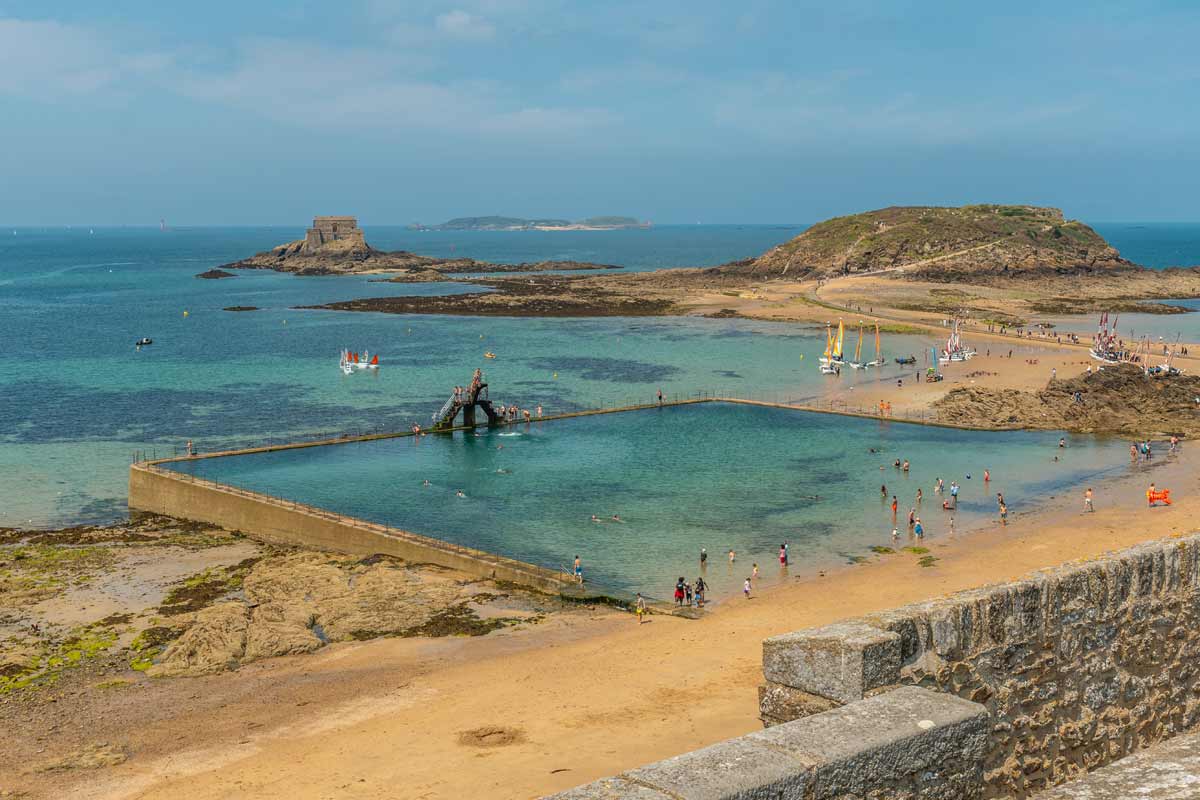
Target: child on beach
{"points": [[746, 588], [687, 591], [701, 588], [640, 608], [1003, 514], [755, 571], [1087, 500]]}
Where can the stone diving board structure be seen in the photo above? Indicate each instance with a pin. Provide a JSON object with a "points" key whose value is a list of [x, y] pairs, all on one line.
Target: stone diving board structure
{"points": [[475, 395]]}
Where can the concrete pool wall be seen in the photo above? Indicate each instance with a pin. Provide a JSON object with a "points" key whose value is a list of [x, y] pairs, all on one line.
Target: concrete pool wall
{"points": [[155, 489]]}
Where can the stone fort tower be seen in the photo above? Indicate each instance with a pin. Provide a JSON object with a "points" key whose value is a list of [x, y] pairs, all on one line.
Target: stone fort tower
{"points": [[333, 229]]}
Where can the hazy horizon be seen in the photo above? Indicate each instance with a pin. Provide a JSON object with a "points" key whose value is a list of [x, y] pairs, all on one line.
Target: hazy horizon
{"points": [[403, 111]]}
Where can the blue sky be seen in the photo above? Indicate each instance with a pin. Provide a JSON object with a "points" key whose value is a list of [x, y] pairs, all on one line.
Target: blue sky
{"points": [[269, 113]]}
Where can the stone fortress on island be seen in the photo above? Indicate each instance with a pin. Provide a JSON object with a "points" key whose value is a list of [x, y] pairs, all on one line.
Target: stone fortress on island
{"points": [[332, 229]]}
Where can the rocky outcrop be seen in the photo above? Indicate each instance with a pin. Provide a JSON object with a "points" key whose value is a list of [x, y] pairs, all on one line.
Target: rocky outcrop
{"points": [[970, 243], [1117, 399], [215, 274], [297, 603]]}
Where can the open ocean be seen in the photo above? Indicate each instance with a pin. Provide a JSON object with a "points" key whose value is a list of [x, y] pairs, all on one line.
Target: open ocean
{"points": [[77, 399]]}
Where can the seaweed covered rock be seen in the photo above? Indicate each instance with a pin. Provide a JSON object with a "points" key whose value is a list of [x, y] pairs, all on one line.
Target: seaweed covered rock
{"points": [[1116, 399]]}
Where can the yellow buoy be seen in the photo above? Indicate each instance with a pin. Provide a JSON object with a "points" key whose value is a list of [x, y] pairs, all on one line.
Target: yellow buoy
{"points": [[185, 313], [556, 376]]}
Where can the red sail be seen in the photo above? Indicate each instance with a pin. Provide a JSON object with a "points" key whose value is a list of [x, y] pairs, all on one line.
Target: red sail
{"points": [[375, 360]]}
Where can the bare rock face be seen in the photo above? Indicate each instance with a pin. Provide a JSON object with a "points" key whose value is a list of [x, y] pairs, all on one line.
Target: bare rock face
{"points": [[1118, 399], [299, 602], [214, 642], [942, 244]]}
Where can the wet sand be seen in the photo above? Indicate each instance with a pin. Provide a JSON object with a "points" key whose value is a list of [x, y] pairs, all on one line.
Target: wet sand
{"points": [[520, 713]]}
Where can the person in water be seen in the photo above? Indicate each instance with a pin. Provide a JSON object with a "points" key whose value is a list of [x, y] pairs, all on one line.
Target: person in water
{"points": [[905, 467], [883, 491], [754, 572], [918, 529], [895, 506], [679, 592], [701, 588], [616, 518], [732, 556], [578, 570], [920, 495], [782, 556], [703, 558], [987, 476]]}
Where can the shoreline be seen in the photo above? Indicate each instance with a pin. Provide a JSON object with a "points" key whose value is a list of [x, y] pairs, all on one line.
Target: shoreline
{"points": [[651, 691]]}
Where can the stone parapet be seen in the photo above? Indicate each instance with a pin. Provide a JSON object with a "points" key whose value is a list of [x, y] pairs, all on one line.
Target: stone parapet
{"points": [[1079, 665], [905, 744]]}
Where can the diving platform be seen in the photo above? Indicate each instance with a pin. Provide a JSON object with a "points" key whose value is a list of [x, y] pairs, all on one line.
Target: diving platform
{"points": [[474, 396]]}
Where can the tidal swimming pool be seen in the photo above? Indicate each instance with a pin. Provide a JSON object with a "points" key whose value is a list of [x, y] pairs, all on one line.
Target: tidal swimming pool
{"points": [[719, 476]]}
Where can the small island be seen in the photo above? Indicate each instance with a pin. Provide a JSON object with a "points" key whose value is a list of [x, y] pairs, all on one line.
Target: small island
{"points": [[497, 223], [337, 246]]}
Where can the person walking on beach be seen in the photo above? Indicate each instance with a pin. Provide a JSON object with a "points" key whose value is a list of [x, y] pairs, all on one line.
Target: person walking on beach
{"points": [[701, 588], [746, 588], [640, 608], [1003, 514], [1087, 500], [578, 570]]}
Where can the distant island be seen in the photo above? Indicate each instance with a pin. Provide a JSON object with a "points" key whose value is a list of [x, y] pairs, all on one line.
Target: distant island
{"points": [[496, 223], [337, 246]]}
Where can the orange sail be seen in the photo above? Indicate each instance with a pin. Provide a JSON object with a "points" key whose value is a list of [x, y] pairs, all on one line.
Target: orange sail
{"points": [[375, 360]]}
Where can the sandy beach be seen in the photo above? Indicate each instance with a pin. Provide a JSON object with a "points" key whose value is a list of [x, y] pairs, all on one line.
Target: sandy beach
{"points": [[520, 713]]}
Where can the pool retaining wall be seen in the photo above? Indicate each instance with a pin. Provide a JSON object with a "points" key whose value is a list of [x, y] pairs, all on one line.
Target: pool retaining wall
{"points": [[161, 491]]}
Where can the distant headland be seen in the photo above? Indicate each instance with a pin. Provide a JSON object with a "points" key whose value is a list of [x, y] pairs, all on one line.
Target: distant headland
{"points": [[496, 223]]}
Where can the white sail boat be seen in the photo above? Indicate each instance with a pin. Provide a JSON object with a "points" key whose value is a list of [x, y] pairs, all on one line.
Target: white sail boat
{"points": [[350, 361], [1106, 346], [955, 349]]}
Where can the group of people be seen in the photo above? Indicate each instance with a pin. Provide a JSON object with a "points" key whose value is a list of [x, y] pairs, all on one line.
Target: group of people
{"points": [[690, 594]]}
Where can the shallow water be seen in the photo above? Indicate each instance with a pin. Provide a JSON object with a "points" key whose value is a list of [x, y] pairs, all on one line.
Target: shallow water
{"points": [[718, 476], [76, 398]]}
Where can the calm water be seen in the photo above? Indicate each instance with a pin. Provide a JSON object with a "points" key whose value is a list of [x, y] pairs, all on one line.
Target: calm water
{"points": [[76, 399], [718, 476]]}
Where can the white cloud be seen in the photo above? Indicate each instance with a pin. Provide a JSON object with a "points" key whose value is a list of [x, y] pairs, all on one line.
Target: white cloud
{"points": [[50, 59], [464, 25]]}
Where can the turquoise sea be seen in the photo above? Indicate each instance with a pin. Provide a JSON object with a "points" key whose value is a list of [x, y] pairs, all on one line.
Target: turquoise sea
{"points": [[77, 399]]}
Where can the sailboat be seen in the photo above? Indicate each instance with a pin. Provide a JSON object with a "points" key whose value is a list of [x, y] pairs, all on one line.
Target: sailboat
{"points": [[878, 360], [1106, 346], [834, 354], [931, 373], [1166, 369], [955, 349], [351, 361], [857, 363], [828, 368]]}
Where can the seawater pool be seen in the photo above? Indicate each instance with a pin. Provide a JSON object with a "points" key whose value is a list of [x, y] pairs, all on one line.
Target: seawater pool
{"points": [[718, 476]]}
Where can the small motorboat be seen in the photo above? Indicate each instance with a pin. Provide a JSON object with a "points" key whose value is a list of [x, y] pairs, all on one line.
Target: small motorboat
{"points": [[907, 360], [143, 341], [489, 354]]}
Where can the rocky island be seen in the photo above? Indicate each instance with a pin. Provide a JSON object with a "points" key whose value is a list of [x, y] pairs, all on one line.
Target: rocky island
{"points": [[1002, 263], [337, 246], [497, 223]]}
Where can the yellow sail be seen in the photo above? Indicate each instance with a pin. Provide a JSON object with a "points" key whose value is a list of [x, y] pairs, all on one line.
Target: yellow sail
{"points": [[858, 345], [878, 349], [828, 341], [837, 346]]}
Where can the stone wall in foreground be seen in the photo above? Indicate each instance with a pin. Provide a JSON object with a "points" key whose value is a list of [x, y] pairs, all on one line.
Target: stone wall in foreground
{"points": [[1078, 665], [905, 744]]}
